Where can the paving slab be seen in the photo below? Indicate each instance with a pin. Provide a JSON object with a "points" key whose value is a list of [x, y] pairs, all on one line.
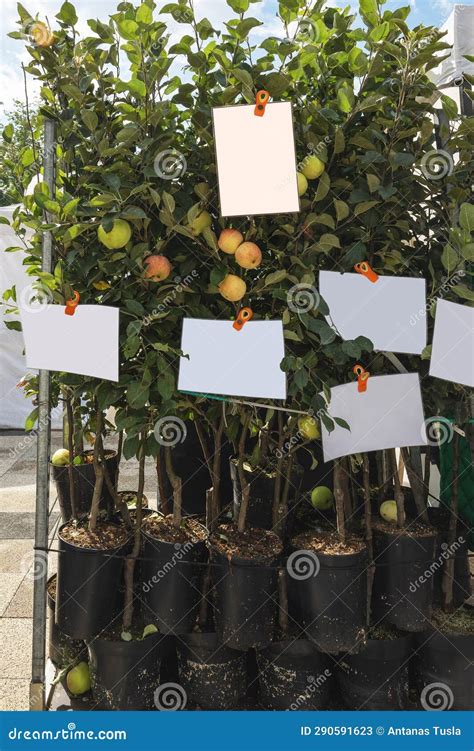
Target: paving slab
{"points": [[21, 526], [13, 553], [14, 694], [15, 647], [9, 584]]}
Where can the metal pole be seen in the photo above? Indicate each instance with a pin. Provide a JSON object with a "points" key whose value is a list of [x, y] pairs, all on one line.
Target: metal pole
{"points": [[37, 685]]}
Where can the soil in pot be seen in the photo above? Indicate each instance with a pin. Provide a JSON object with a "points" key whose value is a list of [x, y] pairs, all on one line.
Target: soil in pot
{"points": [[130, 498], [125, 674], [244, 575], [212, 674], [63, 651], [84, 481], [90, 566], [172, 572], [294, 675], [443, 665], [327, 585], [261, 494], [403, 583], [377, 678]]}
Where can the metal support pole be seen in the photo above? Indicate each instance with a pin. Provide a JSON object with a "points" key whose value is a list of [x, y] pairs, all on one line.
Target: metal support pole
{"points": [[37, 685]]}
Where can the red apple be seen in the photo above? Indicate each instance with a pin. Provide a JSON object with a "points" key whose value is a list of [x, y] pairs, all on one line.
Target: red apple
{"points": [[158, 268]]}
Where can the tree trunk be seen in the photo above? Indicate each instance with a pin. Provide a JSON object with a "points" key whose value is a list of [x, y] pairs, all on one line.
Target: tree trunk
{"points": [[132, 558], [70, 445], [399, 500], [176, 484], [339, 499], [244, 486], [448, 573], [417, 486], [279, 468], [99, 475], [161, 484], [368, 533], [282, 601]]}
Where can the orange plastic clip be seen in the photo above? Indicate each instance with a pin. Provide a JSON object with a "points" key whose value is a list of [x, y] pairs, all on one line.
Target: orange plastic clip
{"points": [[364, 269], [261, 100], [72, 304], [362, 378], [244, 315]]}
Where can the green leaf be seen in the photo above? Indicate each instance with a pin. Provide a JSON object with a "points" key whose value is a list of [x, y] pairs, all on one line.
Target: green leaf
{"points": [[148, 630], [449, 106], [461, 290], [90, 119], [30, 421], [144, 14], [137, 394], [324, 183], [339, 141], [343, 101], [67, 14], [328, 241], [466, 216], [342, 209], [137, 87], [369, 11], [127, 28], [361, 208], [379, 32], [8, 133], [449, 258], [275, 277], [166, 385], [373, 182], [342, 423]]}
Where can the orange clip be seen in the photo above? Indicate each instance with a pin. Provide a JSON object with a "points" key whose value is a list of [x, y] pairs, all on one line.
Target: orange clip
{"points": [[362, 378], [261, 100], [71, 305], [244, 315], [364, 269]]}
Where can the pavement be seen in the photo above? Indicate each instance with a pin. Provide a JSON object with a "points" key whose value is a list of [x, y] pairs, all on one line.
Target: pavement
{"points": [[17, 523]]}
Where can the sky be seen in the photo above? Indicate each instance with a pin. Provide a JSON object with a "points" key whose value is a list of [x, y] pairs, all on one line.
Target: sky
{"points": [[12, 53]]}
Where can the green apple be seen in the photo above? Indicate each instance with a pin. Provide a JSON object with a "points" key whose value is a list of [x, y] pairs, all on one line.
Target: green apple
{"points": [[78, 679], [118, 236], [309, 428], [60, 458], [312, 167], [322, 498], [388, 511], [200, 223], [302, 183]]}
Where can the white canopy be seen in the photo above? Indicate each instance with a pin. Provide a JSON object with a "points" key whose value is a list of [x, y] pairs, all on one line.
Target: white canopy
{"points": [[460, 34]]}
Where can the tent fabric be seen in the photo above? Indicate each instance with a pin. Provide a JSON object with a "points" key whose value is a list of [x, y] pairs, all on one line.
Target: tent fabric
{"points": [[460, 33]]}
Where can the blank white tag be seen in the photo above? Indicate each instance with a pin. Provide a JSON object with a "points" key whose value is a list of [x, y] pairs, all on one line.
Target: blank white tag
{"points": [[85, 343], [391, 312], [389, 414], [452, 353], [233, 363], [256, 160]]}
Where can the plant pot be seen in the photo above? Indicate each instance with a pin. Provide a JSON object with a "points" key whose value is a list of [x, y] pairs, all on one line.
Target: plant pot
{"points": [[329, 596], [403, 584], [189, 461], [377, 678], [125, 675], [212, 674], [89, 595], [62, 650], [172, 576], [293, 675], [447, 660], [261, 494], [129, 496], [245, 591], [84, 480]]}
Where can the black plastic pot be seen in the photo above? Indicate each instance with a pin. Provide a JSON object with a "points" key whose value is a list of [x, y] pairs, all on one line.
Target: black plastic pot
{"points": [[245, 600], [171, 584], [212, 674], [403, 584], [446, 660], [84, 480], [63, 651], [191, 467], [331, 605], [125, 675], [294, 675], [377, 678], [261, 494], [440, 518], [89, 595]]}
